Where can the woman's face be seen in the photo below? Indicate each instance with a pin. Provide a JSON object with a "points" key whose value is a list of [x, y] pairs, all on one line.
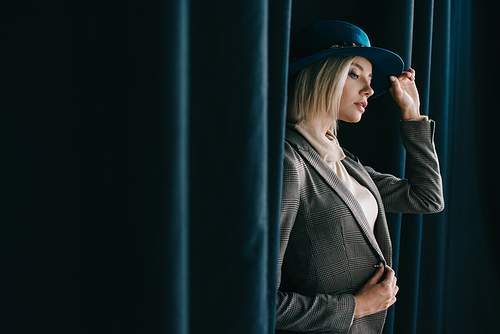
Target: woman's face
{"points": [[356, 91]]}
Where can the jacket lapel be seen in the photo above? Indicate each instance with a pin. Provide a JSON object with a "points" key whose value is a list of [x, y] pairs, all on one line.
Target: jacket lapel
{"points": [[310, 155], [382, 233]]}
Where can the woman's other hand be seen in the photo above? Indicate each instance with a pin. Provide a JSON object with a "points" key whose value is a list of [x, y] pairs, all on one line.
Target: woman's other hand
{"points": [[376, 295], [405, 93]]}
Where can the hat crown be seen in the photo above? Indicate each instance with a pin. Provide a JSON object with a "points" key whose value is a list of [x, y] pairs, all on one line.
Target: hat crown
{"points": [[322, 35]]}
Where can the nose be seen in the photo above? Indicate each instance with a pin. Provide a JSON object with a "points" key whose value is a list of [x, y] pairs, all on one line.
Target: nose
{"points": [[367, 90]]}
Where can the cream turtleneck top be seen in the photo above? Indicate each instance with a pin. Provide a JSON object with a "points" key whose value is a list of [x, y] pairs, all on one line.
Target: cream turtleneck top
{"points": [[329, 149]]}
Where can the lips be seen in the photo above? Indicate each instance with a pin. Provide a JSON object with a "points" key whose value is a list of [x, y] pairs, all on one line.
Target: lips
{"points": [[361, 105]]}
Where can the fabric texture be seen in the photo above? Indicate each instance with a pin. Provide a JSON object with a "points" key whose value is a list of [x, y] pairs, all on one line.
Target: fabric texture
{"points": [[327, 249]]}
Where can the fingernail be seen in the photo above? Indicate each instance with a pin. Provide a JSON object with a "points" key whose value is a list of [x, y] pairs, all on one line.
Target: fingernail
{"points": [[393, 78]]}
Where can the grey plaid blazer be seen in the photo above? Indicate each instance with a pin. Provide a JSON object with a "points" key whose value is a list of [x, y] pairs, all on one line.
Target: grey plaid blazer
{"points": [[327, 250]]}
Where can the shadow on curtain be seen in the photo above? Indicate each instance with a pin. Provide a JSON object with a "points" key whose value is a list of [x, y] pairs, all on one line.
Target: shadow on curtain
{"points": [[140, 163]]}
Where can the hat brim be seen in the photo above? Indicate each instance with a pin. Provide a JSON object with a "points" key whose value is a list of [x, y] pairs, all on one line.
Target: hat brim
{"points": [[385, 63]]}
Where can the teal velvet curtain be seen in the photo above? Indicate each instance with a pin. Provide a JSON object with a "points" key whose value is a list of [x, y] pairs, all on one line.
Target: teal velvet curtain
{"points": [[238, 58], [94, 154], [141, 152], [140, 162]]}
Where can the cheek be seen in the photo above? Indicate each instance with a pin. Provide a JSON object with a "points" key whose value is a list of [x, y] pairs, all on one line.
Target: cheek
{"points": [[345, 89], [349, 88], [346, 96], [345, 93]]}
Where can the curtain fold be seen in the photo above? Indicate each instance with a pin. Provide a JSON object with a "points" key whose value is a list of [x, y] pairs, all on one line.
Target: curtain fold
{"points": [[432, 56], [278, 44], [238, 75], [177, 140]]}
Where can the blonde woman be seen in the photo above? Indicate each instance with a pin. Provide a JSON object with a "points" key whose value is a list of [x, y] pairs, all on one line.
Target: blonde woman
{"points": [[334, 271]]}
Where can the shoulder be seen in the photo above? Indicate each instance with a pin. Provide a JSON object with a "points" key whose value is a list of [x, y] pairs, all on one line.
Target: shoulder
{"points": [[292, 160], [294, 142]]}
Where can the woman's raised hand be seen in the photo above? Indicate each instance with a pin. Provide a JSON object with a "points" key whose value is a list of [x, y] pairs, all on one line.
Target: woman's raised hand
{"points": [[405, 93]]}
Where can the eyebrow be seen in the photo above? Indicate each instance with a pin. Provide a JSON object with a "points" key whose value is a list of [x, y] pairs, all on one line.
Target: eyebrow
{"points": [[361, 68]]}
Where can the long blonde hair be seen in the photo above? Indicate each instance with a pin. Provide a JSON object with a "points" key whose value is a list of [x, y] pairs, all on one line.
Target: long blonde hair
{"points": [[317, 90]]}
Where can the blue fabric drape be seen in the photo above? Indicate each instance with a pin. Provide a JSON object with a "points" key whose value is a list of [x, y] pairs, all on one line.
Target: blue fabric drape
{"points": [[177, 185], [238, 75], [94, 153], [141, 152]]}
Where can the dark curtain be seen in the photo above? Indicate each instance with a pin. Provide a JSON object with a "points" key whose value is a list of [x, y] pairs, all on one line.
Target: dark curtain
{"points": [[94, 154], [141, 152], [238, 57], [140, 162]]}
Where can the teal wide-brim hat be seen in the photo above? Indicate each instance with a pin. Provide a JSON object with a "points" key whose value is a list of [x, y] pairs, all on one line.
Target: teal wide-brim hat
{"points": [[327, 38]]}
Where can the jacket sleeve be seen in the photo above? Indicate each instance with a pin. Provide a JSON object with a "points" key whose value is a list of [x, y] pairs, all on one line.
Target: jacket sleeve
{"points": [[294, 311], [421, 191]]}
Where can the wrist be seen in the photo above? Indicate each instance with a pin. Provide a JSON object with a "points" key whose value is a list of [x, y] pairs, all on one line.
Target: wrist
{"points": [[417, 119], [356, 307], [408, 114], [358, 313]]}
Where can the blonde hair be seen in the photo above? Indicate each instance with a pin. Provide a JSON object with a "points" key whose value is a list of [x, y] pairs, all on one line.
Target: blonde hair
{"points": [[317, 90]]}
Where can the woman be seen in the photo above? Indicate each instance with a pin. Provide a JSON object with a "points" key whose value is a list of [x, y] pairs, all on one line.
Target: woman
{"points": [[335, 255]]}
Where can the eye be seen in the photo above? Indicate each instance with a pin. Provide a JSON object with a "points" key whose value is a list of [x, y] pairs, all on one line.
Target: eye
{"points": [[353, 75]]}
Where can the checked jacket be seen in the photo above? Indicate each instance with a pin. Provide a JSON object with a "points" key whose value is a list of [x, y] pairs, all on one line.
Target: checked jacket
{"points": [[327, 248]]}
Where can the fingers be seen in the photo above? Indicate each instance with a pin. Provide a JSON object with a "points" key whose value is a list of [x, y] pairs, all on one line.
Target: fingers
{"points": [[396, 86], [391, 280], [390, 276], [403, 89], [376, 295], [390, 284], [378, 275], [406, 75], [409, 74]]}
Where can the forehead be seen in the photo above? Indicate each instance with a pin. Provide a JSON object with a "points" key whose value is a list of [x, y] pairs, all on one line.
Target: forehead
{"points": [[362, 63]]}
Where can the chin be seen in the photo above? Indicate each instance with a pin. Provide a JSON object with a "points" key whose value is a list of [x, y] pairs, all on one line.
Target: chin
{"points": [[353, 116], [352, 120]]}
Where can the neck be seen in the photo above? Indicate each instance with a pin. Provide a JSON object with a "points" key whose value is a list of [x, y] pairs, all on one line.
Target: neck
{"points": [[320, 124]]}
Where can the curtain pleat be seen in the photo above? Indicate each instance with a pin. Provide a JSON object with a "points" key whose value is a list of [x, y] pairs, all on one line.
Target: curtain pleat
{"points": [[278, 45], [432, 55], [228, 167], [175, 126], [238, 75]]}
